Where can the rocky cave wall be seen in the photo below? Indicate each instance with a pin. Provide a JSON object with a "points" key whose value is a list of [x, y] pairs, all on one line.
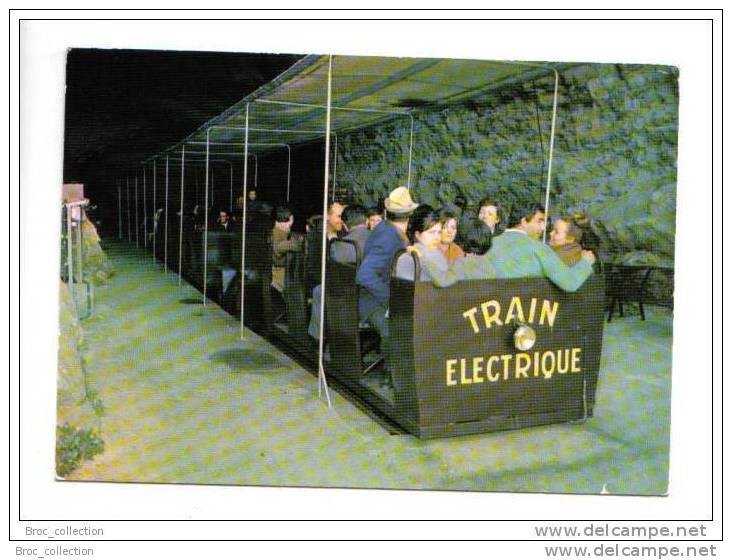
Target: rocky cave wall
{"points": [[614, 153]]}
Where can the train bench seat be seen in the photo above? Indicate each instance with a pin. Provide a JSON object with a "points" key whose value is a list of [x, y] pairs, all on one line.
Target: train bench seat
{"points": [[350, 341]]}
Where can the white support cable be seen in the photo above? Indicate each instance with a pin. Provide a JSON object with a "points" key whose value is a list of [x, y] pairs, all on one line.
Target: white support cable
{"points": [[129, 218], [244, 227], [411, 143], [137, 222], [155, 210], [335, 163], [80, 242], [144, 206], [322, 381], [180, 227], [289, 161], [551, 135], [119, 207], [205, 224], [196, 198], [231, 188], [69, 250], [165, 258], [551, 147]]}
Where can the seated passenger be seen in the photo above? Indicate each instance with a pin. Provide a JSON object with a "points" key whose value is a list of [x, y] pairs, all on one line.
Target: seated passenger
{"points": [[223, 222], [474, 266], [425, 232], [197, 217], [565, 239], [449, 222], [253, 205], [260, 221], [281, 244], [460, 203], [314, 249], [312, 222], [477, 237], [335, 221], [355, 220], [264, 208], [354, 217], [490, 214], [517, 253], [375, 217], [374, 274], [590, 239]]}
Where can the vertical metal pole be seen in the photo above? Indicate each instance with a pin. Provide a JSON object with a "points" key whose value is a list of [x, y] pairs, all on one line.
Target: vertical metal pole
{"points": [[195, 176], [137, 223], [289, 161], [155, 206], [165, 239], [335, 163], [69, 248], [231, 188], [205, 221], [144, 205], [322, 382], [551, 148], [129, 219], [411, 143], [180, 227], [119, 206], [79, 244], [244, 225], [244, 178]]}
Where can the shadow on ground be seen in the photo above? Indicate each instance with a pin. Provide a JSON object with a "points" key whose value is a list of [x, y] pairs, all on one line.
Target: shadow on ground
{"points": [[246, 359]]}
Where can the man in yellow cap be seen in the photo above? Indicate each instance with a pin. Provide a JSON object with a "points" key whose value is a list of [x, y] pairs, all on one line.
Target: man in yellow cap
{"points": [[373, 276]]}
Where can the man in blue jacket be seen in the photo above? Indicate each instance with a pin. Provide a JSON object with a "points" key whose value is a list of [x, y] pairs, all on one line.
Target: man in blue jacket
{"points": [[374, 274]]}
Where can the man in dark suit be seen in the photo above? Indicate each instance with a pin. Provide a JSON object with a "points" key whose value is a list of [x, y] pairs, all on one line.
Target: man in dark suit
{"points": [[223, 223], [374, 274]]}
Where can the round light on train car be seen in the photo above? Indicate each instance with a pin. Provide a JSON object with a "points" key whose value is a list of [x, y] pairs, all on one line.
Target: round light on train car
{"points": [[524, 338]]}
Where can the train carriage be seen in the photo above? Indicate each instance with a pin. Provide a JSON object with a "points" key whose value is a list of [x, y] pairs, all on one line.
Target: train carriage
{"points": [[460, 365]]}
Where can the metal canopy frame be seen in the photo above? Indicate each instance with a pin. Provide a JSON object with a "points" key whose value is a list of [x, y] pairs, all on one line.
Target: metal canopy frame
{"points": [[409, 83]]}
